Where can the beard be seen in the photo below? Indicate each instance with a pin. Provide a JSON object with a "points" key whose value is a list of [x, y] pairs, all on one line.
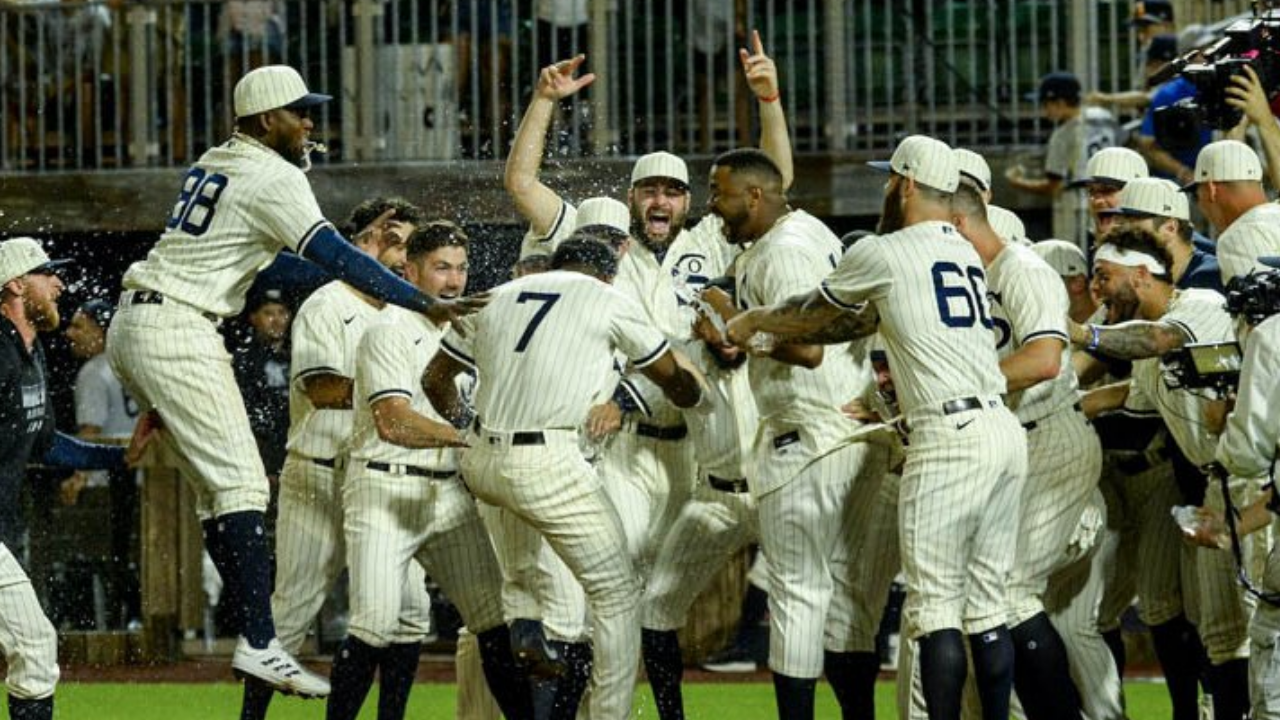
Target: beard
{"points": [[1122, 306], [892, 215], [44, 316], [640, 228]]}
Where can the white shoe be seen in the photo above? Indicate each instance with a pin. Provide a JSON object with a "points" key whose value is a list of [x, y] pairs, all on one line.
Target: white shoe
{"points": [[278, 669]]}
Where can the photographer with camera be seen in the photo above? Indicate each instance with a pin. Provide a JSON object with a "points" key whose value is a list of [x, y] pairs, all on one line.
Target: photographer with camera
{"points": [[1166, 161], [1248, 449], [1247, 95], [1151, 318], [1158, 206], [1228, 188]]}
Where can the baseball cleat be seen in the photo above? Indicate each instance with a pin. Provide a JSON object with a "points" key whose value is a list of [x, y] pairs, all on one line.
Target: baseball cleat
{"points": [[277, 668], [532, 651], [732, 659]]}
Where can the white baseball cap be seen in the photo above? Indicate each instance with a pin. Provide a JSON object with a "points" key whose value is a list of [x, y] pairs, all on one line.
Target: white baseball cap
{"points": [[660, 165], [1152, 197], [974, 166], [603, 211], [1114, 166], [926, 160], [1007, 225], [1067, 259], [1226, 161], [271, 87], [23, 255]]}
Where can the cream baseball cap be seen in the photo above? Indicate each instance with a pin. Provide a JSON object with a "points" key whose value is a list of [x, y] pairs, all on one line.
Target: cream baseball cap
{"points": [[1007, 225], [974, 166], [1066, 259], [1226, 161], [271, 87], [603, 211], [660, 165], [22, 255], [926, 160], [1152, 197], [1113, 166]]}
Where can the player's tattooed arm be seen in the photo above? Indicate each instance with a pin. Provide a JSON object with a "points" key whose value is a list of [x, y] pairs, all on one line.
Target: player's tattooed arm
{"points": [[439, 383], [1133, 340], [798, 316], [847, 326]]}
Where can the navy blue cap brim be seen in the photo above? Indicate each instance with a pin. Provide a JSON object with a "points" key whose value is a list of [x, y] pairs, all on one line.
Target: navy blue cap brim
{"points": [[1127, 212], [51, 265], [1272, 261], [309, 100], [1081, 182], [881, 165]]}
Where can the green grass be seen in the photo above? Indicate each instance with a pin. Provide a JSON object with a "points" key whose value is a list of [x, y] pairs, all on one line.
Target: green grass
{"points": [[748, 701]]}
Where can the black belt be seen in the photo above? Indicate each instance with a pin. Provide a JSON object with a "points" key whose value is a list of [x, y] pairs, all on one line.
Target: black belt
{"points": [[679, 432], [1029, 426], [331, 463], [523, 437], [737, 485], [151, 297], [959, 405], [413, 470]]}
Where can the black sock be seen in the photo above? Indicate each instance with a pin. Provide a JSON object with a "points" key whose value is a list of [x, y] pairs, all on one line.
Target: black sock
{"points": [[993, 662], [351, 678], [508, 683], [664, 667], [1230, 682], [41, 709], [852, 676], [794, 697], [943, 668], [1180, 653], [755, 608], [1043, 675], [396, 673], [257, 698], [1115, 643], [239, 551], [573, 684]]}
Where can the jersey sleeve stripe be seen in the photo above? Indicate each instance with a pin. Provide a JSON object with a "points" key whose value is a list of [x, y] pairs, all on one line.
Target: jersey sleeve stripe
{"points": [[831, 298], [375, 397], [310, 234], [555, 226], [1191, 336], [1045, 333], [457, 354], [322, 370], [652, 356], [637, 397]]}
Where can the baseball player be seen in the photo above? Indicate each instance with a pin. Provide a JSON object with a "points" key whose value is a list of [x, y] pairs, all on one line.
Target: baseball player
{"points": [[310, 553], [975, 167], [806, 476], [1133, 276], [239, 205], [923, 286], [1228, 188], [1064, 457], [29, 290], [1105, 175], [524, 454], [1159, 206], [1007, 225], [403, 501]]}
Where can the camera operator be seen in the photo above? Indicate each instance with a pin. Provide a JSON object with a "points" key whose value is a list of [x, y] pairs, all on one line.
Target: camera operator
{"points": [[1168, 162], [1158, 206], [1228, 188], [1132, 276], [1247, 95], [1248, 449]]}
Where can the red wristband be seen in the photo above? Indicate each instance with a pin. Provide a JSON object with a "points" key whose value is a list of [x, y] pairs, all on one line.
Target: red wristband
{"points": [[774, 98]]}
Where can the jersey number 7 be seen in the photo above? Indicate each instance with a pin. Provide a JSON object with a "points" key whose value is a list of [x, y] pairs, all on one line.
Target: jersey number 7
{"points": [[547, 300]]}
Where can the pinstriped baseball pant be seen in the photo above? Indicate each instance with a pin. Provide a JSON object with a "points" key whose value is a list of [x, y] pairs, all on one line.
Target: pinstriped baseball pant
{"points": [[393, 520], [1224, 608], [29, 642], [553, 489], [311, 553], [1264, 644]]}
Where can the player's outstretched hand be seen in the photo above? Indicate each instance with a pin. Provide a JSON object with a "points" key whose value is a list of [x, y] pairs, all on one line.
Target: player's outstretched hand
{"points": [[761, 72], [377, 224], [442, 311], [557, 81], [145, 431], [1202, 526], [1245, 93], [603, 420]]}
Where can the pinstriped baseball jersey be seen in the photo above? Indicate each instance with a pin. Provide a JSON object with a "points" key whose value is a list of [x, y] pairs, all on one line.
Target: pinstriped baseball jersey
{"points": [[381, 372], [722, 438], [929, 287], [1248, 444], [790, 259], [1028, 302], [581, 316], [1203, 316], [1253, 235], [208, 259], [326, 333]]}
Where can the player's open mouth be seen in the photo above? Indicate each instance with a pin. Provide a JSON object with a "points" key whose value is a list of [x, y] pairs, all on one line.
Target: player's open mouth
{"points": [[658, 223]]}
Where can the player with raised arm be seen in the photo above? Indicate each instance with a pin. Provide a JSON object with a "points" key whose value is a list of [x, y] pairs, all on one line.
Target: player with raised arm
{"points": [[922, 285], [241, 204]]}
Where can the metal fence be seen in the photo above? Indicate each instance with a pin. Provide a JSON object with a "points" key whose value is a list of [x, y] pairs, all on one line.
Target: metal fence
{"points": [[120, 83]]}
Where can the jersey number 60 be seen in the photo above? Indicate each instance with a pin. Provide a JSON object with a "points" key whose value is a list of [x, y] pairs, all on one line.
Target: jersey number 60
{"points": [[969, 294], [197, 201]]}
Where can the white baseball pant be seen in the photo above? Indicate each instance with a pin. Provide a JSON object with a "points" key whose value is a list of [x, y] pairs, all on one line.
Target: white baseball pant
{"points": [[29, 642]]}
